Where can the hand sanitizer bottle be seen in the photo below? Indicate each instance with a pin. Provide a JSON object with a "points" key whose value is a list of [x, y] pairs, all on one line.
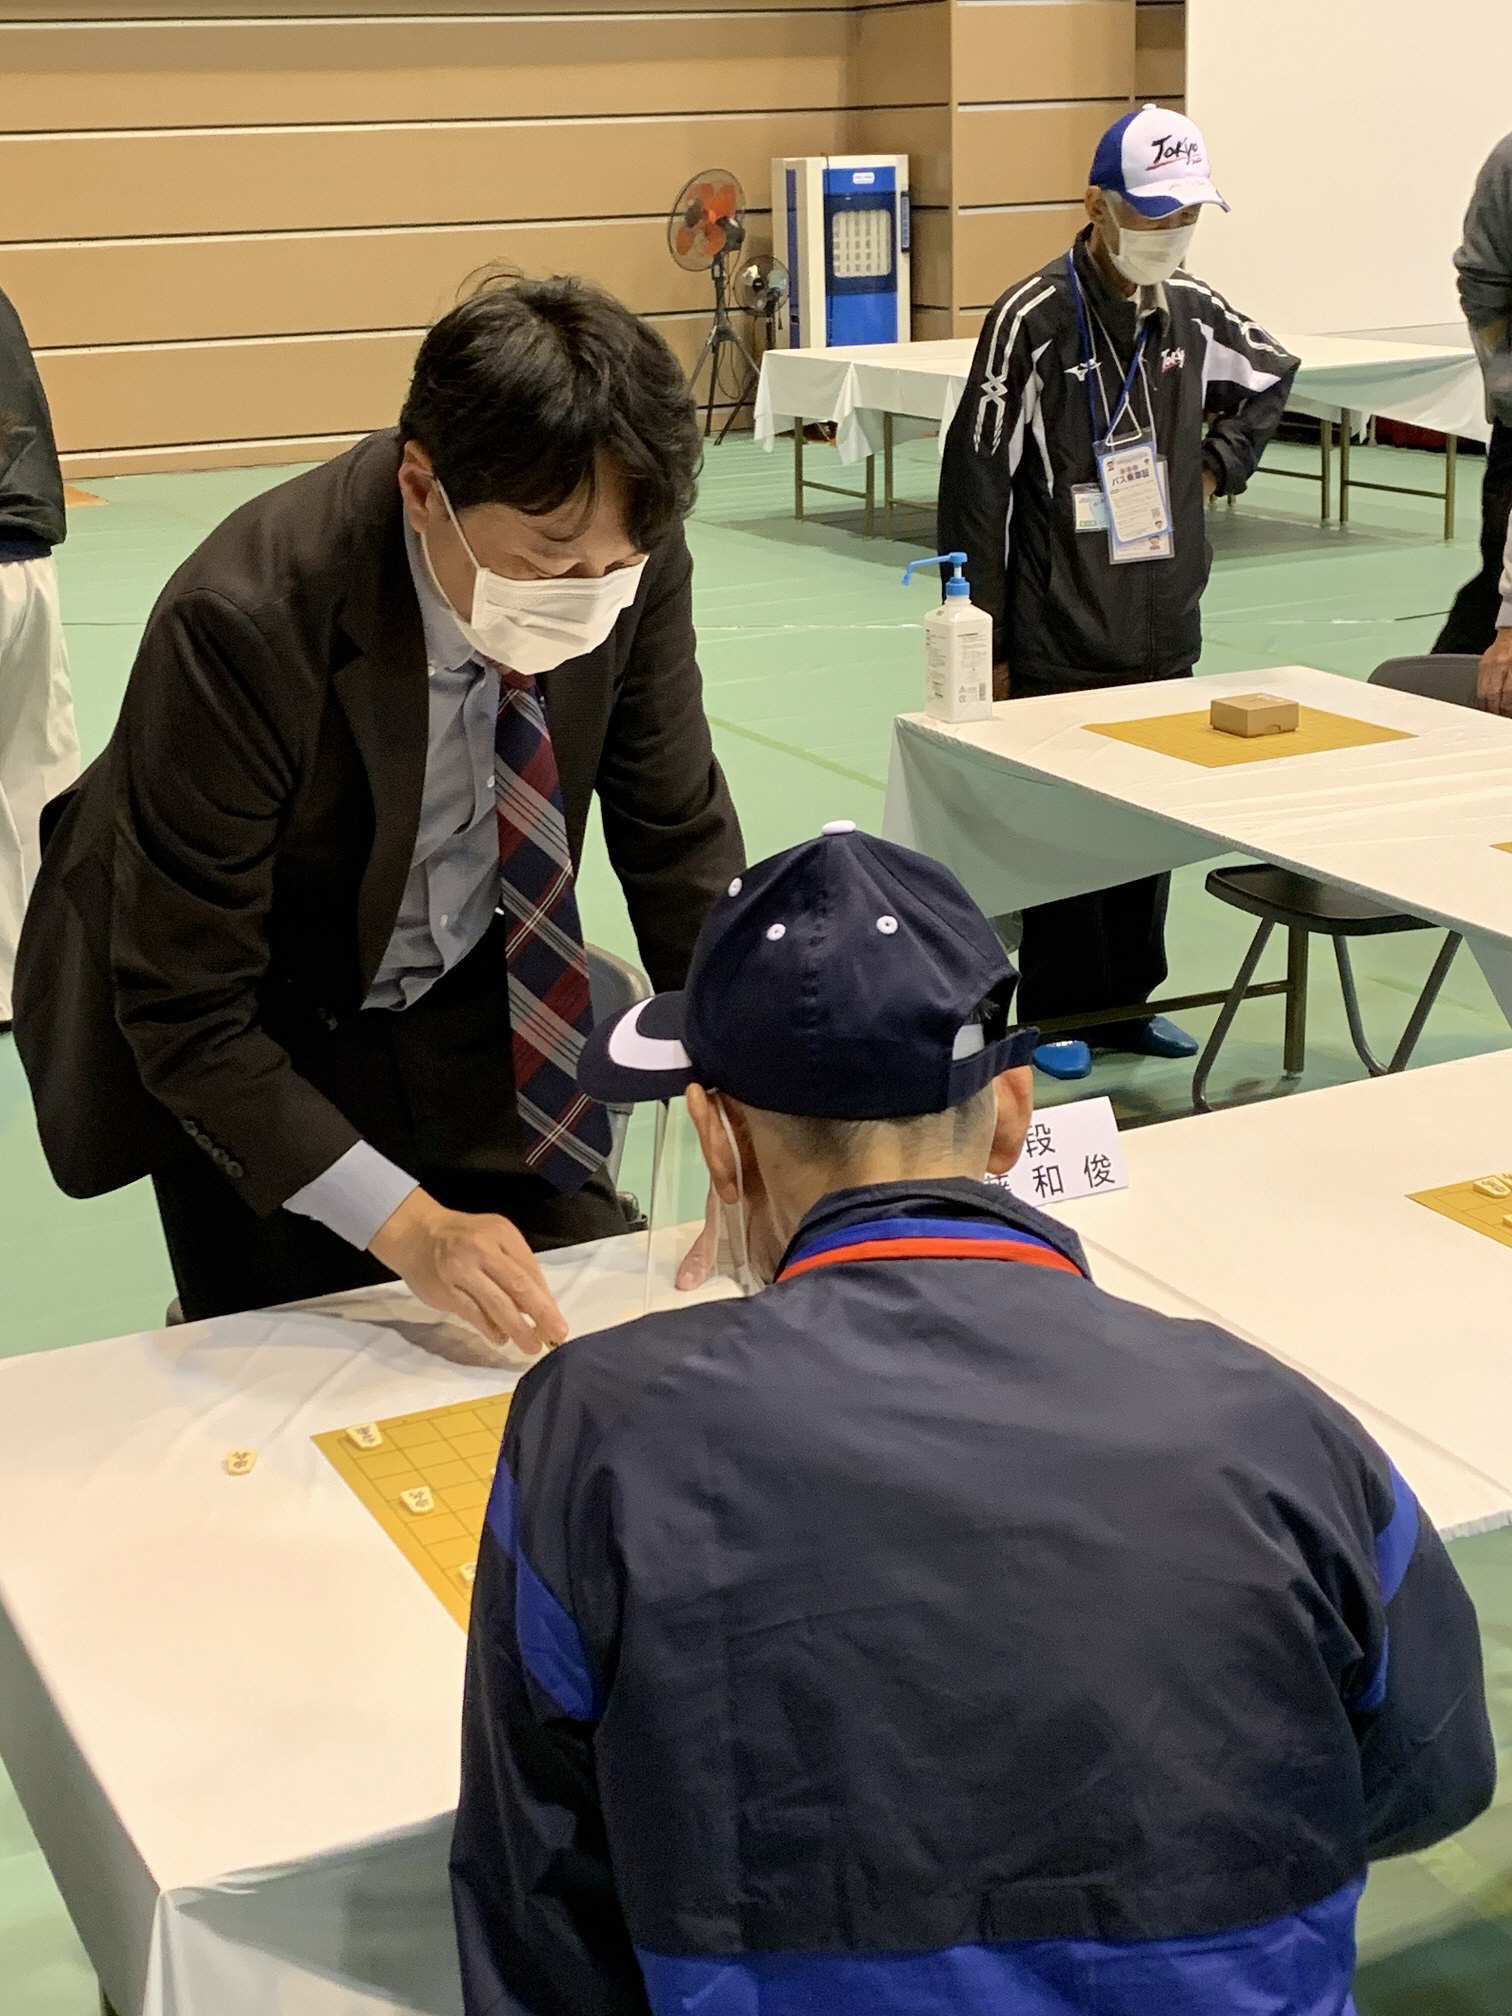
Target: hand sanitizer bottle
{"points": [[957, 649]]}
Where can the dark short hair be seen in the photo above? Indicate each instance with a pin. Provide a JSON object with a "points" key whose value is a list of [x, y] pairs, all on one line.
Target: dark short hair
{"points": [[523, 386]]}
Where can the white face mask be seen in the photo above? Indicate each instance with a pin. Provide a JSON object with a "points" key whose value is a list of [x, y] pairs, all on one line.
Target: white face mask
{"points": [[534, 626], [733, 1259], [1150, 257]]}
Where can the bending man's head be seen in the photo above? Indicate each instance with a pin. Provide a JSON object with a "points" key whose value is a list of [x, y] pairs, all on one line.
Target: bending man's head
{"points": [[845, 1023], [557, 427]]}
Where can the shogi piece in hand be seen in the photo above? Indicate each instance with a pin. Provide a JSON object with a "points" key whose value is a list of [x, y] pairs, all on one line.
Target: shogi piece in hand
{"points": [[1254, 714]]}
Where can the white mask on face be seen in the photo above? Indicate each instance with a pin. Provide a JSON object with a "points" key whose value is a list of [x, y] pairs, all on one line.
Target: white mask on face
{"points": [[1148, 258], [534, 626], [733, 1259]]}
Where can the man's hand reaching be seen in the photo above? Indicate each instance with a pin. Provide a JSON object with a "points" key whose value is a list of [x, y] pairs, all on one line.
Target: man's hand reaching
{"points": [[1493, 681], [472, 1265]]}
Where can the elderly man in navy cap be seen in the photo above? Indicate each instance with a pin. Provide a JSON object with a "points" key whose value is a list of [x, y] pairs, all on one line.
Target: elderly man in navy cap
{"points": [[929, 1632]]}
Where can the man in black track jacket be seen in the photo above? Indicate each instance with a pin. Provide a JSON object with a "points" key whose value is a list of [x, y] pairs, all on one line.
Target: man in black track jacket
{"points": [[932, 1632], [1112, 341]]}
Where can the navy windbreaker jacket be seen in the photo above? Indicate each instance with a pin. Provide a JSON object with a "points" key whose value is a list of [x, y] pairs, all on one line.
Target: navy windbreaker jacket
{"points": [[941, 1635]]}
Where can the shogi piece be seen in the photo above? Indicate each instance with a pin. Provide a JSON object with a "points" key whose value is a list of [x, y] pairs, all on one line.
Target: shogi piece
{"points": [[1254, 714]]}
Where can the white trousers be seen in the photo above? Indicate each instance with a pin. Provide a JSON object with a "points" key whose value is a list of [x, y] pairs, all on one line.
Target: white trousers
{"points": [[39, 748]]}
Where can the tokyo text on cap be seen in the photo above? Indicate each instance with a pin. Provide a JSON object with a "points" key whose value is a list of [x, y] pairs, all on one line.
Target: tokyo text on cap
{"points": [[845, 979], [1156, 160]]}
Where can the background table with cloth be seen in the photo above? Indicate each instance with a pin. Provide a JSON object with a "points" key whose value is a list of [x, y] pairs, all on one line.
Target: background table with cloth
{"points": [[864, 390]]}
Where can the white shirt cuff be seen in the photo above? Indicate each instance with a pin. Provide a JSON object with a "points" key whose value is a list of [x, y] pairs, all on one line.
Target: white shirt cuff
{"points": [[359, 1193]]}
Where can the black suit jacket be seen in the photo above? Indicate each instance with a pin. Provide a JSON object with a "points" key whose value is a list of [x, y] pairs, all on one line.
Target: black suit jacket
{"points": [[225, 878]]}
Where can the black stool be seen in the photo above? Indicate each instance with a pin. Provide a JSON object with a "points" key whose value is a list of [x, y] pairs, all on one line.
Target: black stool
{"points": [[1305, 909]]}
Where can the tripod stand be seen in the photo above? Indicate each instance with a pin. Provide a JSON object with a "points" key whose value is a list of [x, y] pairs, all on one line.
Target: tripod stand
{"points": [[722, 336]]}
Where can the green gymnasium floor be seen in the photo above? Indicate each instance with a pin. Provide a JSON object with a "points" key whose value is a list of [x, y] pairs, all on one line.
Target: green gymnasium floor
{"points": [[809, 647]]}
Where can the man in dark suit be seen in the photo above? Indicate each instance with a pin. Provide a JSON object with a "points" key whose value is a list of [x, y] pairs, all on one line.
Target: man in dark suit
{"points": [[305, 945]]}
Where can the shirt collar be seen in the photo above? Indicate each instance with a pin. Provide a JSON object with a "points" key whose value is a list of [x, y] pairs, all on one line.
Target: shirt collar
{"points": [[446, 647], [948, 1197]]}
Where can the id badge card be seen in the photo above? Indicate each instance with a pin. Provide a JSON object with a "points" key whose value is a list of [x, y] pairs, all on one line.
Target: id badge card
{"points": [[1089, 507], [1130, 478], [1150, 546]]}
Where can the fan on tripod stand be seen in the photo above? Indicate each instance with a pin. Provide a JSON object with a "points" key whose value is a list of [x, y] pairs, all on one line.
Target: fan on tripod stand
{"points": [[705, 233]]}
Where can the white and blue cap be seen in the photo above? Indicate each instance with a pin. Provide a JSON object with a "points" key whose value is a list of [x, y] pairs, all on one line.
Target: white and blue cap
{"points": [[846, 979], [1156, 161]]}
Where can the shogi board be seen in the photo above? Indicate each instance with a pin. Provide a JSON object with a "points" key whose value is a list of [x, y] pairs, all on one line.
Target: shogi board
{"points": [[1191, 738], [450, 1452], [1467, 1206]]}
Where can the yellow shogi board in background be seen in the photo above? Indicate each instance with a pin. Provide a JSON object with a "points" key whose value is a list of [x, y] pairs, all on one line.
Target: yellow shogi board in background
{"points": [[1192, 739], [1468, 1206], [446, 1453]]}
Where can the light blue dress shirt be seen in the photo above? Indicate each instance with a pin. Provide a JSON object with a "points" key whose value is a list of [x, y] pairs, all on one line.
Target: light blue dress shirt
{"points": [[449, 898]]}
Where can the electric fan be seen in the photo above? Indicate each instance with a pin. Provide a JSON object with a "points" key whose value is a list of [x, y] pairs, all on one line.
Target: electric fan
{"points": [[706, 225]]}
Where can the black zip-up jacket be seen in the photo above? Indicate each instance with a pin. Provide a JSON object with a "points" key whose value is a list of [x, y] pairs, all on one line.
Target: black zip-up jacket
{"points": [[32, 520], [1064, 616], [934, 1632]]}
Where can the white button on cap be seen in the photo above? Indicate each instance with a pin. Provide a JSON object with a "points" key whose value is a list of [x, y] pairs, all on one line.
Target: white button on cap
{"points": [[735, 886], [839, 826], [887, 926], [776, 931]]}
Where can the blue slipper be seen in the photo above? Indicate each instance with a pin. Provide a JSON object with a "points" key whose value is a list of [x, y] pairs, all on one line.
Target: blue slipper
{"points": [[1064, 1060], [1159, 1037]]}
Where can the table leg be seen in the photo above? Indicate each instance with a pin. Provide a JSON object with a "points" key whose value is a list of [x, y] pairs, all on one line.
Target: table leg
{"points": [[1343, 466], [887, 475], [870, 518], [1451, 463], [1325, 446], [797, 468], [1294, 1054]]}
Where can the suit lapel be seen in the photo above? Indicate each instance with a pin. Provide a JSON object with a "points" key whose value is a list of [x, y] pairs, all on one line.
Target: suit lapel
{"points": [[382, 691]]}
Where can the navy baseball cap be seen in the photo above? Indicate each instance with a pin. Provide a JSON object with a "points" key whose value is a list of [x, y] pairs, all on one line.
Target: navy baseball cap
{"points": [[1156, 160], [846, 979]]}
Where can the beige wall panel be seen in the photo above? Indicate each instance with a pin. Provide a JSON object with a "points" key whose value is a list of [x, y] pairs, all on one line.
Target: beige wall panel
{"points": [[117, 186], [930, 261], [968, 321], [1028, 154], [1011, 50], [901, 55], [157, 290], [284, 74], [107, 13], [207, 455], [219, 392], [1160, 52], [921, 132], [998, 247]]}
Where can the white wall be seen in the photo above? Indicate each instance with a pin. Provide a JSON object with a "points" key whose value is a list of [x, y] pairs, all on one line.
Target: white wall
{"points": [[1347, 135]]}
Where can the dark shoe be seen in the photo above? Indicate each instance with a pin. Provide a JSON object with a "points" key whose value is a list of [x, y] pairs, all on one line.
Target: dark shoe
{"points": [[1064, 1060], [1159, 1037]]}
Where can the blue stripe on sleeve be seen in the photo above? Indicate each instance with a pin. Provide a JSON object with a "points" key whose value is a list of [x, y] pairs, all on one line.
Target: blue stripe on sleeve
{"points": [[551, 1645], [1395, 1546], [1396, 1543]]}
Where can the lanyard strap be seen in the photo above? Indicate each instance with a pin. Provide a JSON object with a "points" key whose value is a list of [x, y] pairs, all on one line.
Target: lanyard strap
{"points": [[1089, 361], [926, 1239]]}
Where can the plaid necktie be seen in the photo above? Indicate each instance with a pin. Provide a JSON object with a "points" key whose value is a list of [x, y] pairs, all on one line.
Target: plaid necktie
{"points": [[566, 1133]]}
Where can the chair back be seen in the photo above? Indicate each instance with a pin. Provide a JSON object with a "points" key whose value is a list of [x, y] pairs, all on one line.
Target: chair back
{"points": [[1449, 678]]}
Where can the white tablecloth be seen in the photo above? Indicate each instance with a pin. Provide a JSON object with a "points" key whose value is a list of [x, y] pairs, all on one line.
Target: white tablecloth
{"points": [[1290, 1222], [229, 1705], [1030, 806], [1428, 385]]}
